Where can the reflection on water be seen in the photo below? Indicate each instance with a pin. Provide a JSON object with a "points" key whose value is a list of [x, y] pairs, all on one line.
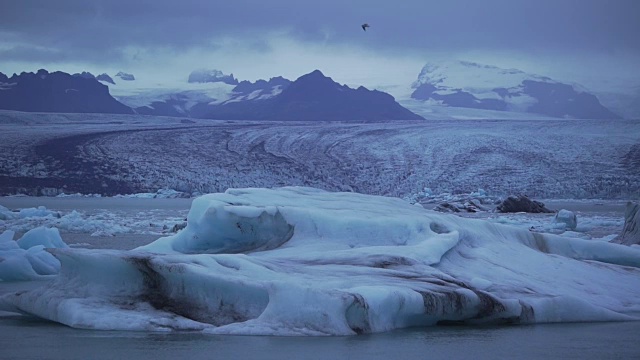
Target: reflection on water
{"points": [[30, 338]]}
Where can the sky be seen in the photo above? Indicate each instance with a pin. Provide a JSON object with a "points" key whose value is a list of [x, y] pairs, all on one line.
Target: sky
{"points": [[588, 41]]}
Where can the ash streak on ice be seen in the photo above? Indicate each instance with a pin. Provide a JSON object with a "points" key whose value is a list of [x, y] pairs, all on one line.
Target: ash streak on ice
{"points": [[302, 261]]}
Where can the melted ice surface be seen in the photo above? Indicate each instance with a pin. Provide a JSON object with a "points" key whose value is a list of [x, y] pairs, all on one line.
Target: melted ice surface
{"points": [[302, 261]]}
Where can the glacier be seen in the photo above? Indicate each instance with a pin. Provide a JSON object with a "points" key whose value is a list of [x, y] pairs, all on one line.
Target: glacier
{"points": [[304, 261]]}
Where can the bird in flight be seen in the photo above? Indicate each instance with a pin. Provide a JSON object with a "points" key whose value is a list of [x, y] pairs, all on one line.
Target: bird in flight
{"points": [[365, 26]]}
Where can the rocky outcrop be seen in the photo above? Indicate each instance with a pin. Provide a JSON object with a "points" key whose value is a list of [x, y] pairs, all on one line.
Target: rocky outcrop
{"points": [[631, 231], [469, 206], [262, 86], [58, 92], [211, 76], [105, 78], [125, 76], [85, 74], [521, 203], [102, 77]]}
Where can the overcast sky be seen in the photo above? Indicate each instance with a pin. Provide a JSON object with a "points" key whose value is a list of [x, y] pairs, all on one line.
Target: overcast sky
{"points": [[265, 38]]}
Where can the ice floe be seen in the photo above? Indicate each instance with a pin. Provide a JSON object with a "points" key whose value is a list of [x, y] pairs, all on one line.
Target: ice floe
{"points": [[26, 258]]}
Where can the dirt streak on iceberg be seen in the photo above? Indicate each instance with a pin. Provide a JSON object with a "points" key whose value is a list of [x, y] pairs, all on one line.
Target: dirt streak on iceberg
{"points": [[302, 261]]}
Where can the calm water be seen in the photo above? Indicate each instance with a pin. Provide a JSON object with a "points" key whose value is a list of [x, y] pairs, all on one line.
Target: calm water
{"points": [[27, 338]]}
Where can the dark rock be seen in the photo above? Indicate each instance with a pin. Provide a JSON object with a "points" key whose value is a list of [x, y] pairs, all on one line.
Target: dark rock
{"points": [[247, 87], [522, 203], [470, 206], [85, 74], [125, 76], [631, 231], [105, 78], [58, 92], [446, 207], [211, 76], [458, 98], [562, 100], [178, 227]]}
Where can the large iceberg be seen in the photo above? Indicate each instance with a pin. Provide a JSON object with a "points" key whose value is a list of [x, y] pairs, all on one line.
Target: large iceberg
{"points": [[302, 261]]}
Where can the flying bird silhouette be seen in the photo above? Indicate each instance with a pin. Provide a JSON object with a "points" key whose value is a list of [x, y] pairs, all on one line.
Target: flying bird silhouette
{"points": [[365, 26]]}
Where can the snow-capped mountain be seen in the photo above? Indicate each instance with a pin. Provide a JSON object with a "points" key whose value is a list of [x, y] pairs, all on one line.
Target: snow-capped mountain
{"points": [[311, 97], [125, 76], [465, 84], [211, 76], [102, 77], [57, 92], [260, 90]]}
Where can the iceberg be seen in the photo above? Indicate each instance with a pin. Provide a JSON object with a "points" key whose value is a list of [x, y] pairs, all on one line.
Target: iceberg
{"points": [[303, 261], [27, 258]]}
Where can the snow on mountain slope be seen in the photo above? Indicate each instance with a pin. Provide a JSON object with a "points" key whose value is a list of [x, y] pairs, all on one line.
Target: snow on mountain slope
{"points": [[179, 98], [463, 84], [139, 93], [434, 110], [473, 77]]}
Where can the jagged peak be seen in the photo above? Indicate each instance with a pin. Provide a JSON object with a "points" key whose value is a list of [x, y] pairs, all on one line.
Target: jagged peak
{"points": [[211, 76]]}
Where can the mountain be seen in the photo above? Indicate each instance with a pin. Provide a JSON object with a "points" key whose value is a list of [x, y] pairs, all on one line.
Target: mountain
{"points": [[465, 84], [199, 100], [102, 77], [125, 76], [105, 78], [261, 89], [312, 97], [211, 76], [57, 92]]}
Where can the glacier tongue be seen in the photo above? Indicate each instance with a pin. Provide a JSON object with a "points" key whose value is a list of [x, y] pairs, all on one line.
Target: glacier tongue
{"points": [[302, 261]]}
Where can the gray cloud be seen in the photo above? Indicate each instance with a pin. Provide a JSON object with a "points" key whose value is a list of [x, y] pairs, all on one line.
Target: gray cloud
{"points": [[86, 28]]}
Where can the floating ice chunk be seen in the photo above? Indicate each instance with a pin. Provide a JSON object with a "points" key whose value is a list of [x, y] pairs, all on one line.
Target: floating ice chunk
{"points": [[27, 259], [567, 218], [40, 211], [76, 222], [47, 237], [6, 214], [6, 236], [160, 194]]}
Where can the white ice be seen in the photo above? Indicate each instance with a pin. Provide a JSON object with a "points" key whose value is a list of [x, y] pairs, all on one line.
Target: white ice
{"points": [[39, 212], [302, 261], [26, 258]]}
